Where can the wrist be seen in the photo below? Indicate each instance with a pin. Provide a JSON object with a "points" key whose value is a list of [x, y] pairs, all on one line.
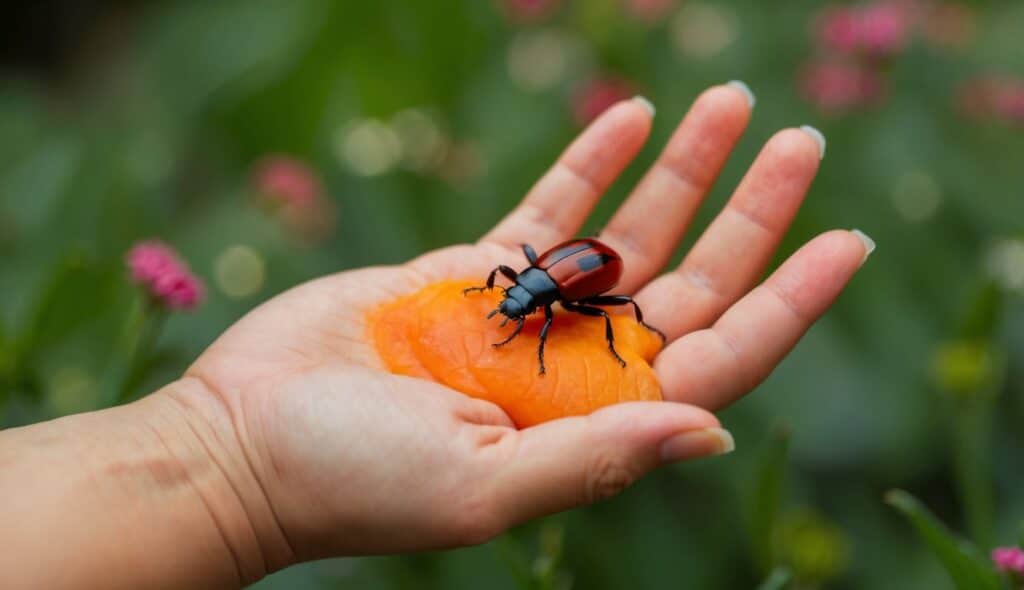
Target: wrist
{"points": [[157, 493], [210, 445]]}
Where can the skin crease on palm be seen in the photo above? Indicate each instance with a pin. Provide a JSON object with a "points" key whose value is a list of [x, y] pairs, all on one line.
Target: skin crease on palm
{"points": [[353, 460]]}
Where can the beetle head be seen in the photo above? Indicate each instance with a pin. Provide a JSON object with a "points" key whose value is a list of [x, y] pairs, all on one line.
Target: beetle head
{"points": [[511, 309]]}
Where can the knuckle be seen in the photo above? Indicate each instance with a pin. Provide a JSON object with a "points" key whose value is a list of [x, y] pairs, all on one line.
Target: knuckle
{"points": [[606, 476]]}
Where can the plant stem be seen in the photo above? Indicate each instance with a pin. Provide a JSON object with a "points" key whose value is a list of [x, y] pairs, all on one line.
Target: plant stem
{"points": [[769, 480], [973, 468], [133, 350], [142, 352]]}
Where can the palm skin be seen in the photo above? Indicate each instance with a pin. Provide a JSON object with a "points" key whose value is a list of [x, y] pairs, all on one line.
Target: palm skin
{"points": [[354, 460]]}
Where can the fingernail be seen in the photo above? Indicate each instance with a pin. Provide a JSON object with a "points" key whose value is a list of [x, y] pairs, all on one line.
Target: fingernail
{"points": [[697, 443], [645, 103], [869, 244], [742, 87], [818, 137]]}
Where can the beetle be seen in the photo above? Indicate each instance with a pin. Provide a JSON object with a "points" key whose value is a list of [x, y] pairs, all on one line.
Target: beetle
{"points": [[577, 274]]}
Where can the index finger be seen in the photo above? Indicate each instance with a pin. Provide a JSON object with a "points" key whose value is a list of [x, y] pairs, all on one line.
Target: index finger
{"points": [[556, 207]]}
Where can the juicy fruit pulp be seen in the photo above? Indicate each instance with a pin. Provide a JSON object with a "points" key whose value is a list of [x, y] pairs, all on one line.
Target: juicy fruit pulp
{"points": [[441, 335]]}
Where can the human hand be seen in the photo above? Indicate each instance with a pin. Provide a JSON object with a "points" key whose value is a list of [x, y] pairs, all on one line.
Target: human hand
{"points": [[347, 458]]}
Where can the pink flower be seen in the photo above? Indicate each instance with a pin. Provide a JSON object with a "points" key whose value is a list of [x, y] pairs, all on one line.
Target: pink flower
{"points": [[1008, 102], [993, 97], [838, 28], [883, 28], [649, 10], [595, 97], [296, 194], [166, 278], [839, 86], [148, 261], [524, 11], [287, 180], [179, 290], [1009, 560], [880, 28]]}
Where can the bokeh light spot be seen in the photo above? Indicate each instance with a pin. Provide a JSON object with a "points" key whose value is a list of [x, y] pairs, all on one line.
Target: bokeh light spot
{"points": [[239, 271], [916, 196], [72, 390], [368, 147], [1005, 263], [423, 143], [540, 60], [963, 367], [702, 30]]}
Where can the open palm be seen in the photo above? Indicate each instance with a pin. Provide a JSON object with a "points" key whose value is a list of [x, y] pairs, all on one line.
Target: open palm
{"points": [[355, 460]]}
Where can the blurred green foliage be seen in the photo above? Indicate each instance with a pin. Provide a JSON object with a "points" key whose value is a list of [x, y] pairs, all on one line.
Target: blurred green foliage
{"points": [[427, 121]]}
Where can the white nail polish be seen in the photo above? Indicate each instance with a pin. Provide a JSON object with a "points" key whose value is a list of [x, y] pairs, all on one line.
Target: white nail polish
{"points": [[747, 92], [818, 137], [645, 103], [869, 244], [706, 442], [728, 443]]}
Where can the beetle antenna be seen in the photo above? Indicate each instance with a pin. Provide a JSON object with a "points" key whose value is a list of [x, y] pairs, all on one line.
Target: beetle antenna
{"points": [[503, 322], [491, 315]]}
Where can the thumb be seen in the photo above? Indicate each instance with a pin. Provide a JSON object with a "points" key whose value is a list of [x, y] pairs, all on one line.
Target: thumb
{"points": [[575, 461]]}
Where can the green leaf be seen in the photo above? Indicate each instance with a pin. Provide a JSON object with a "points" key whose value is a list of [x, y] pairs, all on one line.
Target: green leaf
{"points": [[512, 554], [972, 467], [778, 579], [6, 364], [969, 570], [767, 490], [1020, 535], [550, 541], [983, 313], [77, 290]]}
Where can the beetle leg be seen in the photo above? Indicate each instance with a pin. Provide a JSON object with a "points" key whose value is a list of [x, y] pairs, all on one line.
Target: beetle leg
{"points": [[507, 271], [549, 316], [530, 253], [519, 327], [609, 334], [624, 300], [490, 284]]}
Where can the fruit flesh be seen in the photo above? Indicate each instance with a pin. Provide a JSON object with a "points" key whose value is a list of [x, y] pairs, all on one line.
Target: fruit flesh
{"points": [[441, 335]]}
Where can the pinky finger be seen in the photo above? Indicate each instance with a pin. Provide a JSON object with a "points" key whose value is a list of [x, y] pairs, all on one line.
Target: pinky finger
{"points": [[712, 368]]}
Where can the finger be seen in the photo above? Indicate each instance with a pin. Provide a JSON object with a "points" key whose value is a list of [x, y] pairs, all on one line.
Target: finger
{"points": [[732, 253], [576, 461], [648, 226], [712, 368], [557, 205]]}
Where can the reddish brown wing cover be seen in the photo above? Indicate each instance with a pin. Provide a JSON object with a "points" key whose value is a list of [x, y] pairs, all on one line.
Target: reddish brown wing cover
{"points": [[582, 268]]}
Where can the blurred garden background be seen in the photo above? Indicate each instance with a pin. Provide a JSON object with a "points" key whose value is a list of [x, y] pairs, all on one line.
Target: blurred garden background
{"points": [[273, 141]]}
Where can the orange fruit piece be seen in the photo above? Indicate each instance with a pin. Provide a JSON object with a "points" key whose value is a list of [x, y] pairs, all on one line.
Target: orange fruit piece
{"points": [[441, 335]]}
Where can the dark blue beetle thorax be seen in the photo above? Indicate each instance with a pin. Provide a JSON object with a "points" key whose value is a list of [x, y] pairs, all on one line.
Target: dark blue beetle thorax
{"points": [[533, 289]]}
